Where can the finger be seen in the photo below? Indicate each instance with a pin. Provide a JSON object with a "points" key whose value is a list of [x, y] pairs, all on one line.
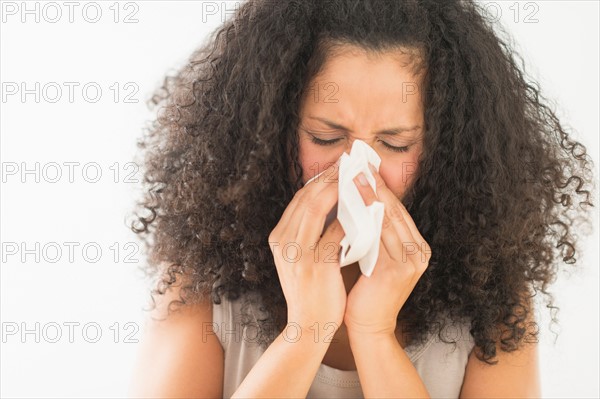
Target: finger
{"points": [[390, 233], [311, 212], [367, 193], [396, 234], [415, 245], [389, 194], [291, 208], [396, 208], [329, 245], [391, 240], [312, 215]]}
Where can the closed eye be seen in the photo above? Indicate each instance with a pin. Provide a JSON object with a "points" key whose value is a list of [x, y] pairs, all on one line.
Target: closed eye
{"points": [[319, 141]]}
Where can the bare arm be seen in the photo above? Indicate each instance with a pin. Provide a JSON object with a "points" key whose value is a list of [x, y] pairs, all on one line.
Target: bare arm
{"points": [[314, 291], [176, 360], [516, 375], [288, 366], [385, 370]]}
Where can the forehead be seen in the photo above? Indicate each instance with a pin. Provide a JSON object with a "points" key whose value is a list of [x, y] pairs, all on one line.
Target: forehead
{"points": [[409, 59], [356, 85]]}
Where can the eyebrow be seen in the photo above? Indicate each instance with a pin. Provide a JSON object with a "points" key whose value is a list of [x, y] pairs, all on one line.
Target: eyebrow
{"points": [[390, 132]]}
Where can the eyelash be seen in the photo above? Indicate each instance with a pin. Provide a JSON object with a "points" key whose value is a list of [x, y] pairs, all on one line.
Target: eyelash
{"points": [[331, 142]]}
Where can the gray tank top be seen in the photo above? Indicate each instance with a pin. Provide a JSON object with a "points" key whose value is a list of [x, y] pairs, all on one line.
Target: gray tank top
{"points": [[441, 365]]}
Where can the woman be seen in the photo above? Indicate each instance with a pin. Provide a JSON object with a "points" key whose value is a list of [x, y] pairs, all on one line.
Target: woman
{"points": [[481, 186]]}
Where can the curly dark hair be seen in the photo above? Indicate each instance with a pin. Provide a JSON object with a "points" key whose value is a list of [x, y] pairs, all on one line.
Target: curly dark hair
{"points": [[500, 185]]}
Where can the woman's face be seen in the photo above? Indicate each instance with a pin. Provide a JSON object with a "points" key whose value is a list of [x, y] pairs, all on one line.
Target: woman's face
{"points": [[374, 99]]}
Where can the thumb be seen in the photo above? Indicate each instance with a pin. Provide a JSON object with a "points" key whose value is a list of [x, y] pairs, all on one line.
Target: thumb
{"points": [[330, 241]]}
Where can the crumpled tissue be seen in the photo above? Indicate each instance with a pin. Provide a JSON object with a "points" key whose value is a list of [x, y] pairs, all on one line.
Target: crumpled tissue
{"points": [[361, 223]]}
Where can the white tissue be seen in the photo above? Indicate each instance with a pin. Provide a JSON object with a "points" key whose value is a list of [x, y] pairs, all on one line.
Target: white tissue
{"points": [[361, 223]]}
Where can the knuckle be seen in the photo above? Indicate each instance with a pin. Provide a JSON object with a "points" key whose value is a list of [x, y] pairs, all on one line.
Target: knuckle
{"points": [[303, 199], [395, 213], [272, 235], [312, 208], [387, 223], [413, 249], [426, 251], [295, 198], [298, 195]]}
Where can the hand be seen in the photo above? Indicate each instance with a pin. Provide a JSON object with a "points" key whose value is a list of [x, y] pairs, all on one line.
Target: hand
{"points": [[374, 302], [307, 263]]}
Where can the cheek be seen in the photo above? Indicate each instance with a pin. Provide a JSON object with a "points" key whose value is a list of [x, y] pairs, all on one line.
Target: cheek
{"points": [[398, 175], [312, 159]]}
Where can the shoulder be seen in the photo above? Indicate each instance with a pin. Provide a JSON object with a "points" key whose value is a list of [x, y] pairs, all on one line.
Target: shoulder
{"points": [[516, 373], [237, 317], [178, 356], [450, 337], [441, 357]]}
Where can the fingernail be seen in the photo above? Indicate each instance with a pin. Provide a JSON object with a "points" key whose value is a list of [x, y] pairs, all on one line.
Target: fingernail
{"points": [[372, 168], [362, 179]]}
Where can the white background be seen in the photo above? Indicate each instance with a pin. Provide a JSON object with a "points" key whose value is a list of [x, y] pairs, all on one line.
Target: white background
{"points": [[561, 53]]}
